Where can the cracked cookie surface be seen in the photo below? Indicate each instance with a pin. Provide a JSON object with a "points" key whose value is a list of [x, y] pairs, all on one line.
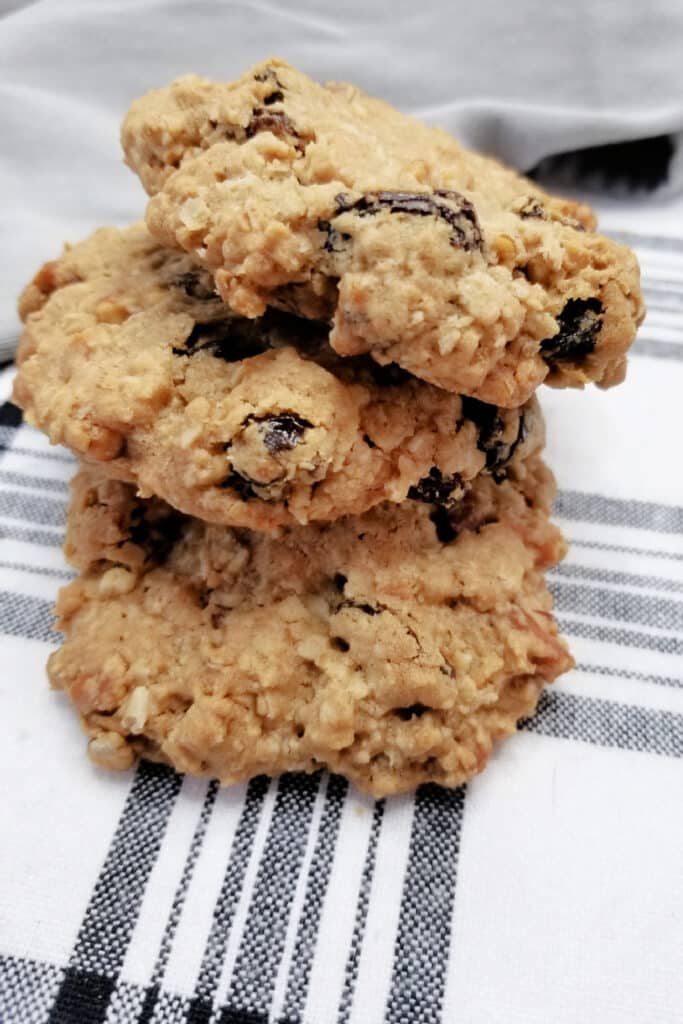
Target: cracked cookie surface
{"points": [[130, 358], [327, 201], [385, 647]]}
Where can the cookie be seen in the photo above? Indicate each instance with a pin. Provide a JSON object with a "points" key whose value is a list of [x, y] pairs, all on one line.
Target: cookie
{"points": [[393, 648], [324, 200], [130, 358]]}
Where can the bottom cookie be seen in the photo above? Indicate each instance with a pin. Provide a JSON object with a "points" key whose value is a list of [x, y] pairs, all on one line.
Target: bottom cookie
{"points": [[393, 648]]}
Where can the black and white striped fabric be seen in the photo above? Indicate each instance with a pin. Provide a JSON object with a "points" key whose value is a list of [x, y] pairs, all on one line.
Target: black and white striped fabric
{"points": [[550, 889]]}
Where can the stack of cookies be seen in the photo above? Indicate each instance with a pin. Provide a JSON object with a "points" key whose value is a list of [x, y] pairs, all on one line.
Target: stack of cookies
{"points": [[311, 518]]}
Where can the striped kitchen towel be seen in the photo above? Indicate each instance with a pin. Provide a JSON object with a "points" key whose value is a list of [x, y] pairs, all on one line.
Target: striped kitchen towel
{"points": [[547, 891]]}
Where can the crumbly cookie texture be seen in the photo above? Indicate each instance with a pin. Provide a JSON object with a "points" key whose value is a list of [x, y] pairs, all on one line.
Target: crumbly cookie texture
{"points": [[129, 357], [393, 648], [420, 252]]}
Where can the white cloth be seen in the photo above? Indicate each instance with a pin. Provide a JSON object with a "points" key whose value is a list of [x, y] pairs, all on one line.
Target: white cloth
{"points": [[523, 80], [548, 890], [6, 380]]}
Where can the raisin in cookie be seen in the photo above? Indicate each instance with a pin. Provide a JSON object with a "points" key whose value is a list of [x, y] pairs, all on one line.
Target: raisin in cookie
{"points": [[419, 252], [393, 647], [130, 358]]}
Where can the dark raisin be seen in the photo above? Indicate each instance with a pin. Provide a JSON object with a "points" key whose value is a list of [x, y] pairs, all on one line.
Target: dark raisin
{"points": [[521, 434], [457, 211], [340, 581], [445, 531], [233, 132], [156, 536], [275, 121], [274, 97], [231, 340], [281, 433], [491, 427], [340, 643], [497, 456], [241, 484], [268, 75], [506, 452], [437, 489], [336, 241], [279, 326], [579, 322], [239, 338], [484, 415], [532, 208], [366, 608], [195, 284], [369, 442], [414, 711]]}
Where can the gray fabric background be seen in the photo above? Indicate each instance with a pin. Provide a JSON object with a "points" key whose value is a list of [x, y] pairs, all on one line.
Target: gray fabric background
{"points": [[522, 80]]}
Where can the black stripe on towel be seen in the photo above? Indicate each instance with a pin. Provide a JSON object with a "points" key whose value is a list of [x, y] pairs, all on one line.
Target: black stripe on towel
{"points": [[316, 888], [201, 1007], [606, 723], [363, 902], [596, 508], [112, 912], [263, 939], [424, 925], [179, 897]]}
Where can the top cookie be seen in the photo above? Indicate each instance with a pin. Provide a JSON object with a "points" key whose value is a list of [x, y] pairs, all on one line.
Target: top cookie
{"points": [[324, 200], [130, 359]]}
